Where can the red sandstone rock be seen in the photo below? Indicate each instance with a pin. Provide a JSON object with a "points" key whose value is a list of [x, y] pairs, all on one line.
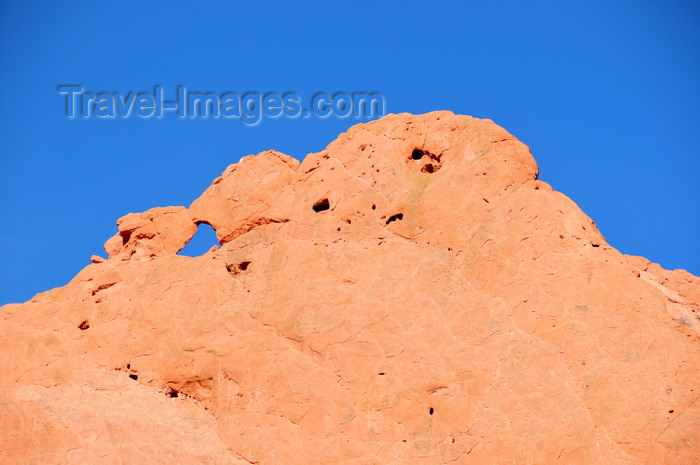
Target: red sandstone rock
{"points": [[158, 231], [412, 294]]}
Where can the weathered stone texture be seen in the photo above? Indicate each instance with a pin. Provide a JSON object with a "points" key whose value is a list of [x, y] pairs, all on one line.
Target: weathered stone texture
{"points": [[412, 294]]}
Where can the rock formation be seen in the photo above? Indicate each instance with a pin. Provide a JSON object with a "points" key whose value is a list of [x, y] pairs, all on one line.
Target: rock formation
{"points": [[410, 295]]}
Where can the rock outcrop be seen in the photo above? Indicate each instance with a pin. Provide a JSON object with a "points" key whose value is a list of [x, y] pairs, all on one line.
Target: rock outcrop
{"points": [[411, 294]]}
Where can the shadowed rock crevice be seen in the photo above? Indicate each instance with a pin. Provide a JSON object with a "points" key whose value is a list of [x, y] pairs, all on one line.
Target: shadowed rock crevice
{"points": [[424, 161], [396, 217], [237, 269], [250, 226], [321, 205]]}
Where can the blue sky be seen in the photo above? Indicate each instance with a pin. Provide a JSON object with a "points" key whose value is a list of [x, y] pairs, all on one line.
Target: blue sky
{"points": [[605, 93]]}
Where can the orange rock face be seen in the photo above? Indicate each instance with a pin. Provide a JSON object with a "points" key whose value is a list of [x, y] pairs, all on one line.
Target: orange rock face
{"points": [[412, 294]]}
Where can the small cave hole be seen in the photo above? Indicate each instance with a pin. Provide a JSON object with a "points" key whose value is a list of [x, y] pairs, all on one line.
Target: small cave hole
{"points": [[321, 205], [348, 221], [398, 216], [134, 377], [128, 366], [235, 270], [424, 161], [374, 207], [431, 411], [126, 235], [84, 325], [202, 241], [670, 411], [172, 393]]}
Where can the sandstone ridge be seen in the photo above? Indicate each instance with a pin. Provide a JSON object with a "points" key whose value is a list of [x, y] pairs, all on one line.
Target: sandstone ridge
{"points": [[411, 294]]}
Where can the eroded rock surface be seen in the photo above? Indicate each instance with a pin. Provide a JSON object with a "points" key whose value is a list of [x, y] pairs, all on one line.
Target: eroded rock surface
{"points": [[411, 294]]}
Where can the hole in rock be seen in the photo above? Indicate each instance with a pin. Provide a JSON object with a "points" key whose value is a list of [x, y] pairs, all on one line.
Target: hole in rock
{"points": [[202, 241], [424, 161], [84, 325], [172, 393], [126, 235], [134, 377], [321, 205], [235, 270], [431, 411], [128, 366], [398, 216], [670, 411], [374, 207]]}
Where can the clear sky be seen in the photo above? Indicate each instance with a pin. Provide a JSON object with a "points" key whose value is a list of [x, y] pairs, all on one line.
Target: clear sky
{"points": [[605, 93]]}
